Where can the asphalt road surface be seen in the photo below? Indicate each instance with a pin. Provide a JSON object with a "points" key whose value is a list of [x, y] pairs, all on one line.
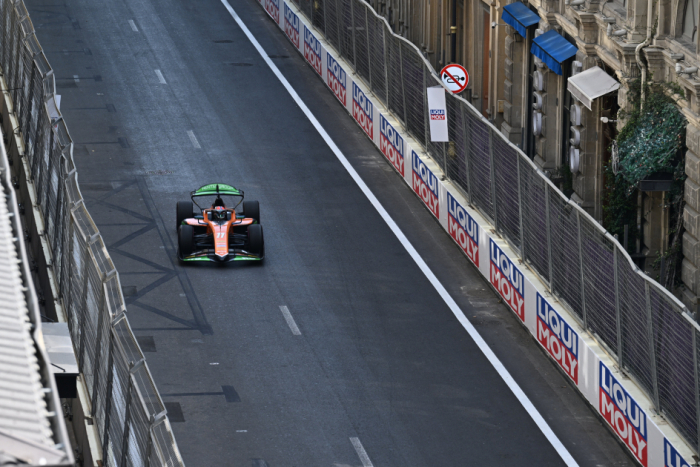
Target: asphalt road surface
{"points": [[163, 96]]}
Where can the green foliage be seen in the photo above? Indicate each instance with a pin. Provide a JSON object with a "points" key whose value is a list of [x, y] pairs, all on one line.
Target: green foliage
{"points": [[653, 137], [619, 207]]}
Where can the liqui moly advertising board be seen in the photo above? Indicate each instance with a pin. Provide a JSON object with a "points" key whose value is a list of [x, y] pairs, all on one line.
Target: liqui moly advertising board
{"points": [[312, 51], [363, 110], [463, 229], [623, 414], [507, 279], [672, 458], [391, 144], [555, 335], [273, 9], [425, 184], [336, 78], [291, 26]]}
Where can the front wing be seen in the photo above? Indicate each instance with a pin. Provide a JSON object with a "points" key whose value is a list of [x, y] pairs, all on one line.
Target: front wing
{"points": [[234, 254]]}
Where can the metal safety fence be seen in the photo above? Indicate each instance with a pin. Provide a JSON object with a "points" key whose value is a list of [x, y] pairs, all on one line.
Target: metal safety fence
{"points": [[130, 416], [647, 330]]}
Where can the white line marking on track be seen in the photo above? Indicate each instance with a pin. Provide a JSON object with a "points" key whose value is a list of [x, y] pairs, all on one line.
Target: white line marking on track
{"points": [[449, 301], [290, 321], [76, 78], [133, 25], [361, 453], [161, 78], [193, 138]]}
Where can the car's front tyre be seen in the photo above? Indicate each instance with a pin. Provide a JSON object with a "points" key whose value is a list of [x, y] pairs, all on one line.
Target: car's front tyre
{"points": [[256, 242], [185, 240]]}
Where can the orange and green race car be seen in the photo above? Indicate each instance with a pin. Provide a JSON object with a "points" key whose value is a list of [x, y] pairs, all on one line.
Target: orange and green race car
{"points": [[221, 232]]}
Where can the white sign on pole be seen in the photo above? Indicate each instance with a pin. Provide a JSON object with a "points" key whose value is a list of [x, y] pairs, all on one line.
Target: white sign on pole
{"points": [[438, 114]]}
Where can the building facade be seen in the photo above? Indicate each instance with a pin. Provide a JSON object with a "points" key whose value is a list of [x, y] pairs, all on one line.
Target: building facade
{"points": [[524, 60]]}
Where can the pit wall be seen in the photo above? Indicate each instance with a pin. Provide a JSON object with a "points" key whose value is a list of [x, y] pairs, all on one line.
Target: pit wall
{"points": [[614, 396]]}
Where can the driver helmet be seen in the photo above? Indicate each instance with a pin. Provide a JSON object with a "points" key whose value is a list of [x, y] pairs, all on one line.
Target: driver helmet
{"points": [[219, 213]]}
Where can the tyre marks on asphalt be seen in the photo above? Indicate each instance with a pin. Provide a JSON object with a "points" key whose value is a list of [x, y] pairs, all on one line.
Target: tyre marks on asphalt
{"points": [[148, 220]]}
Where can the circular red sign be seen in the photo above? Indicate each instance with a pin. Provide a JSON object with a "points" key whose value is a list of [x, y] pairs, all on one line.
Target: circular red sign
{"points": [[455, 77]]}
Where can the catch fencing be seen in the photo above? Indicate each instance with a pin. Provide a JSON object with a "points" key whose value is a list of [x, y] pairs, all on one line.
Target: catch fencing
{"points": [[647, 330], [130, 416]]}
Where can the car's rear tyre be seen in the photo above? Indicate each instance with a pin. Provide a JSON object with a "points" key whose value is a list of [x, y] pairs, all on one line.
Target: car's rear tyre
{"points": [[252, 209], [256, 242], [184, 210], [185, 240]]}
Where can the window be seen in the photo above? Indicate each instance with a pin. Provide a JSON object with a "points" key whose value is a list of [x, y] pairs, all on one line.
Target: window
{"points": [[690, 21]]}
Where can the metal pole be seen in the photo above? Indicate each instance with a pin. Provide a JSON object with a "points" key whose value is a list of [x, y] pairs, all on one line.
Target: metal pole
{"points": [[386, 67], [493, 179], [697, 385], [583, 281], [403, 88], [618, 316], [354, 45], [127, 423], [98, 349], [426, 120], [369, 58], [549, 237], [520, 210], [652, 349], [108, 396], [467, 150]]}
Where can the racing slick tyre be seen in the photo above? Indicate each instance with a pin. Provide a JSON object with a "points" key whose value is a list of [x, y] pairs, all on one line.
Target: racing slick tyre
{"points": [[185, 210], [185, 240], [252, 209], [255, 239]]}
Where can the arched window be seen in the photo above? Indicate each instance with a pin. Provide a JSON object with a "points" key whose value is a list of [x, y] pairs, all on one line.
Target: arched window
{"points": [[690, 20]]}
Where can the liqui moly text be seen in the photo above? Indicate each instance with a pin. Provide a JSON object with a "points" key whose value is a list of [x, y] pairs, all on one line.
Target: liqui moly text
{"points": [[507, 279], [391, 144], [623, 414], [312, 51], [437, 114], [291, 25], [362, 110], [557, 337], [463, 229], [671, 457], [273, 8], [336, 78], [425, 184]]}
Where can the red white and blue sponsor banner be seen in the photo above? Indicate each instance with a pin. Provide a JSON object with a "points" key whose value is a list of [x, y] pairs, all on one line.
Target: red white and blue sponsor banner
{"points": [[555, 335], [671, 457], [336, 79], [273, 9], [507, 279], [291, 26], [425, 184], [623, 414], [312, 51], [463, 229], [362, 110], [391, 144], [437, 109]]}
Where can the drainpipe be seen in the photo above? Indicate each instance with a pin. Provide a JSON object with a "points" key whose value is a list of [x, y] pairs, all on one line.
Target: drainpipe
{"points": [[453, 33], [638, 49]]}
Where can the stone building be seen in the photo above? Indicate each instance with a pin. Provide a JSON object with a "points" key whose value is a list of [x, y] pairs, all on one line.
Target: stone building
{"points": [[552, 75]]}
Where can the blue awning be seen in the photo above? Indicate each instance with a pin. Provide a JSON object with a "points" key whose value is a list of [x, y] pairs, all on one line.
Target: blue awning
{"points": [[553, 50], [519, 16]]}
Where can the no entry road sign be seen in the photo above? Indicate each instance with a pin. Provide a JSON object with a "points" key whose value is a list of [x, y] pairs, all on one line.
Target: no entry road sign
{"points": [[455, 78]]}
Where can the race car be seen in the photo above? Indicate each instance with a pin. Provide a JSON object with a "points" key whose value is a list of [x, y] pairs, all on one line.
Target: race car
{"points": [[221, 232]]}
